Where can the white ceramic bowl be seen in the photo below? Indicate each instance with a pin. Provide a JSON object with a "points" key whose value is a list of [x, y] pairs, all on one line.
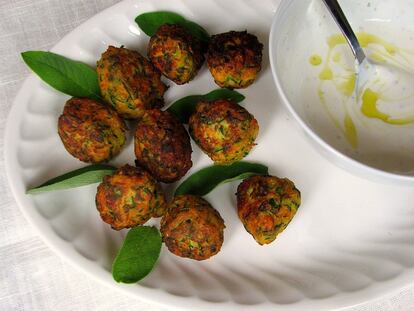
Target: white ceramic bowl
{"points": [[299, 30]]}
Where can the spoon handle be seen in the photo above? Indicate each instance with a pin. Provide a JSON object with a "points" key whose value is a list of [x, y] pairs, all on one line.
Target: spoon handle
{"points": [[341, 20]]}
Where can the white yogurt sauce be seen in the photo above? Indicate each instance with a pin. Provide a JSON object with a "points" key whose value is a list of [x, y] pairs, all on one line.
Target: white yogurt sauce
{"points": [[377, 126]]}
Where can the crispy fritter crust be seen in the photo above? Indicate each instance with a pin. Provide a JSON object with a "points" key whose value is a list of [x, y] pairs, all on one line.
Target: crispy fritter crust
{"points": [[224, 130], [192, 228], [129, 197], [162, 146], [234, 59], [129, 82], [90, 131], [266, 205], [176, 53]]}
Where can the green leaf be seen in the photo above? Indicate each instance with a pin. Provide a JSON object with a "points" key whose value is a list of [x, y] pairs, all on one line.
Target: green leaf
{"points": [[84, 176], [138, 255], [206, 179], [224, 94], [65, 75], [184, 107], [151, 21]]}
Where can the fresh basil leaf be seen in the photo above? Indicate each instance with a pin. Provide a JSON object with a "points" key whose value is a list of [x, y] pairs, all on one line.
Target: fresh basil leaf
{"points": [[197, 31], [206, 179], [184, 107], [84, 176], [65, 75], [151, 21], [224, 94], [138, 255]]}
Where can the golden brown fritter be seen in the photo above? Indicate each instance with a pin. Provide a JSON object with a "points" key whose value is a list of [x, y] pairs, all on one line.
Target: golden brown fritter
{"points": [[192, 228], [176, 53], [129, 82], [129, 197], [162, 146], [266, 205], [234, 59], [224, 130], [91, 131]]}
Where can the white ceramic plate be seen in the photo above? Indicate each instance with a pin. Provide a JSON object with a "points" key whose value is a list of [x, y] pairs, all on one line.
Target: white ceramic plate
{"points": [[350, 241]]}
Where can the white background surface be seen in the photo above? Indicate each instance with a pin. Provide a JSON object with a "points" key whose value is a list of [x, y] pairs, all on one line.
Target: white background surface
{"points": [[31, 276]]}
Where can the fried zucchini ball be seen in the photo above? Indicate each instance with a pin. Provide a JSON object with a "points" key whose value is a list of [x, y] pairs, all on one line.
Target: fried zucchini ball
{"points": [[162, 146], [192, 228], [91, 131], [129, 197], [129, 82], [224, 130], [176, 53], [266, 205], [234, 59]]}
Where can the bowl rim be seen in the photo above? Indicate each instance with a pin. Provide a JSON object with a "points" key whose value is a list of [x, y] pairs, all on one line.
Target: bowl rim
{"points": [[346, 162]]}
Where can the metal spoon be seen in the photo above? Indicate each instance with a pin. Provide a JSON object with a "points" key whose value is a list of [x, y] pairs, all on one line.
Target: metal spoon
{"points": [[364, 68]]}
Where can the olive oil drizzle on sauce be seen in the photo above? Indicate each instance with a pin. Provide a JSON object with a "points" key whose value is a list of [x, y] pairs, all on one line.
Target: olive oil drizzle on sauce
{"points": [[381, 51]]}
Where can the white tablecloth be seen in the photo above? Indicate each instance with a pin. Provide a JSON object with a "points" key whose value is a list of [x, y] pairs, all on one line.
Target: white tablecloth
{"points": [[32, 277]]}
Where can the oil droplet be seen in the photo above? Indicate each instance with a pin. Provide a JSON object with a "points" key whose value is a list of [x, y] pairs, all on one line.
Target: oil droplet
{"points": [[347, 88], [377, 57], [335, 40], [369, 105], [350, 131], [365, 39], [369, 109], [337, 57], [315, 60], [326, 74]]}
